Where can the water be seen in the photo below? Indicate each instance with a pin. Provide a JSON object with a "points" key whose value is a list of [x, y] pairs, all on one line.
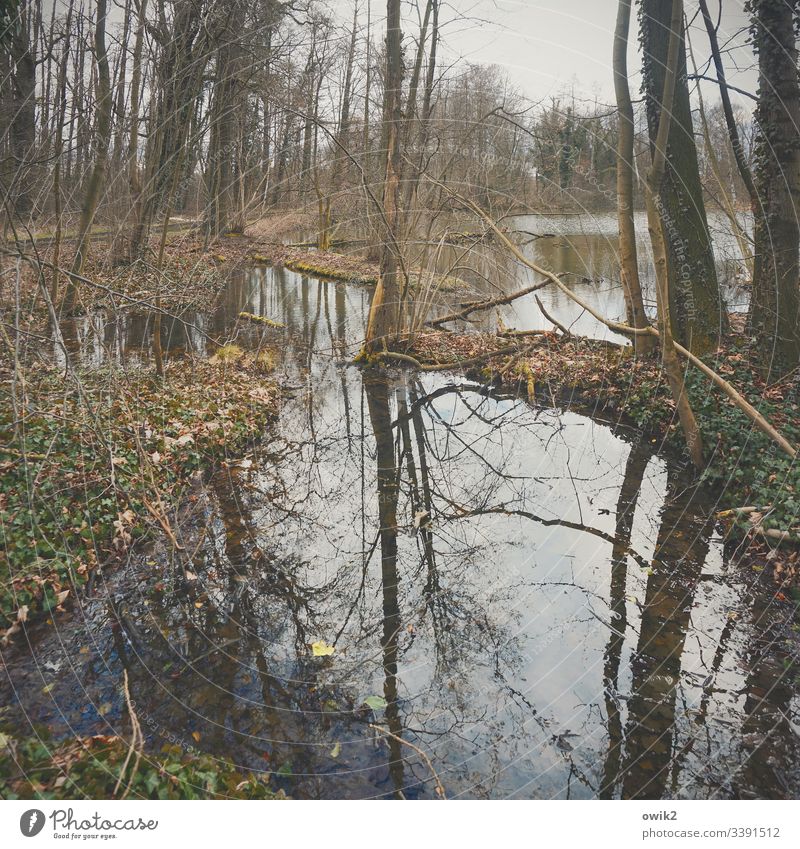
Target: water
{"points": [[535, 599], [584, 248]]}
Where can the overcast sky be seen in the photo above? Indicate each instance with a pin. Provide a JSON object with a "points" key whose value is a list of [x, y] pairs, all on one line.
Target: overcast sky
{"points": [[549, 46]]}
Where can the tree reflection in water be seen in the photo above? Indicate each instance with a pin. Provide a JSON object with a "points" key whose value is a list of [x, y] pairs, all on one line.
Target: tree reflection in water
{"points": [[538, 597]]}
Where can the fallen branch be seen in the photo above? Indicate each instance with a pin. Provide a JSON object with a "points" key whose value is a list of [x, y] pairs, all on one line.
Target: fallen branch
{"points": [[260, 319], [475, 306], [137, 741], [741, 403], [775, 535], [737, 511], [22, 455], [165, 526]]}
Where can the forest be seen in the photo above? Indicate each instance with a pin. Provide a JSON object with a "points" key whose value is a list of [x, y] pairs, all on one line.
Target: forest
{"points": [[380, 422]]}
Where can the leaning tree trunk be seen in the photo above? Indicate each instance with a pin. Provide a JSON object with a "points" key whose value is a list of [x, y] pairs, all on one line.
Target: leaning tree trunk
{"points": [[629, 261], [103, 135], [384, 314], [775, 305], [697, 312]]}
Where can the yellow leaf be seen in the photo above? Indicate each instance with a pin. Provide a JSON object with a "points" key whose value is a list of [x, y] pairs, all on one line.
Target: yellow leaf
{"points": [[196, 735], [322, 649], [336, 750]]}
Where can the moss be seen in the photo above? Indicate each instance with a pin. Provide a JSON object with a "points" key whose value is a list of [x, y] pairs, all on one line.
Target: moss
{"points": [[330, 272], [260, 319], [227, 354]]}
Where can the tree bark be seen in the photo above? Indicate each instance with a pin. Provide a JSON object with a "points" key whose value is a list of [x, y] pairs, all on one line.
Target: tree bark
{"points": [[697, 313], [23, 120], [774, 318]]}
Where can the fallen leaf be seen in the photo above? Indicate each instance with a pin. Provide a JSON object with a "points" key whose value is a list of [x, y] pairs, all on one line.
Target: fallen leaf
{"points": [[336, 750], [376, 702], [322, 649]]}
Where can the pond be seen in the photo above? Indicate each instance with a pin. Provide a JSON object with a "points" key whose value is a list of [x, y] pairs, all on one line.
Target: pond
{"points": [[522, 601]]}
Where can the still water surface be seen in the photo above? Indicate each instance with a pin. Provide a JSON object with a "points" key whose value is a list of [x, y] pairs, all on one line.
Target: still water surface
{"points": [[535, 598]]}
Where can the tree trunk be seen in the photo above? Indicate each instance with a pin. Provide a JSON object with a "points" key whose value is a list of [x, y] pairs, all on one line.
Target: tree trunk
{"points": [[659, 225], [58, 152], [629, 263], [103, 136], [775, 304], [23, 120], [384, 315], [224, 212], [697, 313]]}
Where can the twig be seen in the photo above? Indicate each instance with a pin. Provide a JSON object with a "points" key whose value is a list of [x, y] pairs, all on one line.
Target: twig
{"points": [[137, 740], [439, 786], [550, 318], [162, 520]]}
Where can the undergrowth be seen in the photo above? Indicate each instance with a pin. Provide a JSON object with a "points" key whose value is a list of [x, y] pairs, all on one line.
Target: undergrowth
{"points": [[90, 462], [90, 767]]}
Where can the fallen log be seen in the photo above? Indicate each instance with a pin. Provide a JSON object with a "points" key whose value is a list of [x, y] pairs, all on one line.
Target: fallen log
{"points": [[260, 319]]}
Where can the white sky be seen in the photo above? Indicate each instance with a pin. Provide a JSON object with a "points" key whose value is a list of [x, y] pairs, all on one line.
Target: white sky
{"points": [[549, 46]]}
